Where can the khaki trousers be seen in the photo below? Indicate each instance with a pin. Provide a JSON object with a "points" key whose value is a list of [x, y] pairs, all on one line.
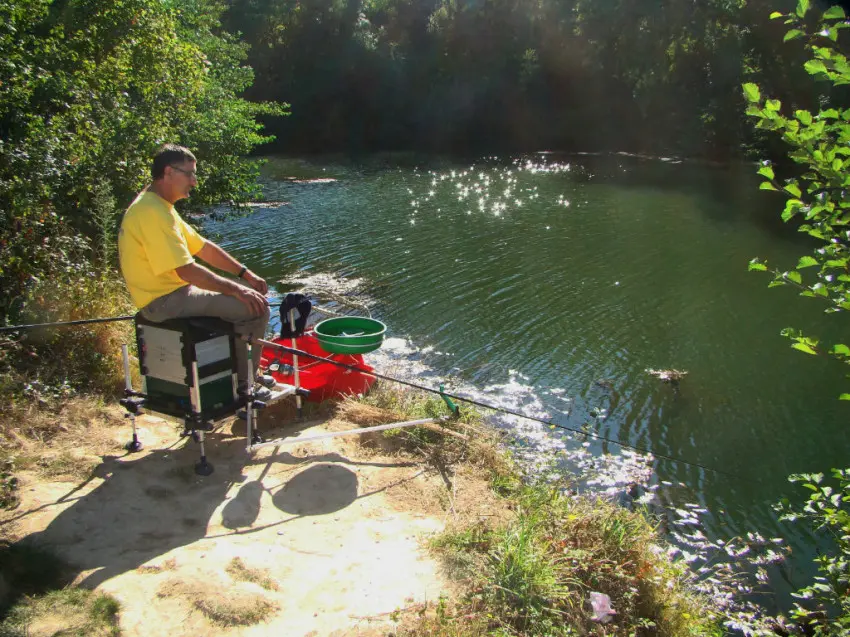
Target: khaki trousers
{"points": [[191, 301]]}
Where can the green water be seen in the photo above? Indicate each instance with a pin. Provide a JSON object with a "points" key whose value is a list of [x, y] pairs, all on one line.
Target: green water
{"points": [[644, 267]]}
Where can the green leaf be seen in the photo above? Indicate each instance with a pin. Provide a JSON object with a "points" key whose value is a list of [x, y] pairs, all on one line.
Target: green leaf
{"points": [[844, 397], [806, 262], [766, 171], [776, 14], [804, 116], [793, 189], [794, 276], [766, 185], [756, 266], [834, 13], [751, 92], [814, 67], [793, 34], [841, 349], [773, 105], [802, 8], [804, 348]]}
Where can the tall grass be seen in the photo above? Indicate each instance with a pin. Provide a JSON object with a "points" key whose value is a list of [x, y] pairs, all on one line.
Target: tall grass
{"points": [[535, 575], [81, 357], [46, 373]]}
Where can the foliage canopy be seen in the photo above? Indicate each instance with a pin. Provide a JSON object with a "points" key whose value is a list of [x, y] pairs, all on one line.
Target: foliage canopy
{"points": [[88, 90]]}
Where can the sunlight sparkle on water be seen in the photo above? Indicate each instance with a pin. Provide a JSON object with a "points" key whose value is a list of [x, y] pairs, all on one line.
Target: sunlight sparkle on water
{"points": [[516, 186]]}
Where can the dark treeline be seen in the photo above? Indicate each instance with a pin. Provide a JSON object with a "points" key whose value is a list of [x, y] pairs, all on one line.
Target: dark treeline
{"points": [[651, 76]]}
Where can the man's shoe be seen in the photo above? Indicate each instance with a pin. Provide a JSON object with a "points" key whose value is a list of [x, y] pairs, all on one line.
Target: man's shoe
{"points": [[266, 381], [262, 393]]}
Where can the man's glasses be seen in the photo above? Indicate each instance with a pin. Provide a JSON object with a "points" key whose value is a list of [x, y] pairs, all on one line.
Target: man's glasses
{"points": [[191, 174]]}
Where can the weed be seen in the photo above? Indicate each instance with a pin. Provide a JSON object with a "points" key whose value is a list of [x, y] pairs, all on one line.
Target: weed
{"points": [[239, 571]]}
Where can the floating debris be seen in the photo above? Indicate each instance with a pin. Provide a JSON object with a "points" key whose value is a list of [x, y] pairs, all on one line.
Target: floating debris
{"points": [[667, 375], [318, 180], [266, 204]]}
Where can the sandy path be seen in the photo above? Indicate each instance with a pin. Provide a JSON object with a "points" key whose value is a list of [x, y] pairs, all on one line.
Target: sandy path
{"points": [[332, 525]]}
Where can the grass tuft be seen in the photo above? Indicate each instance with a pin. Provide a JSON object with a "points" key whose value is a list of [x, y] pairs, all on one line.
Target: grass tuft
{"points": [[66, 464], [152, 569], [30, 569], [71, 612], [222, 607], [239, 571]]}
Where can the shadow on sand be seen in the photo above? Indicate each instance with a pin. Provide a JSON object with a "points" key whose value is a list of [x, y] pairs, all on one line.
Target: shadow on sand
{"points": [[151, 503]]}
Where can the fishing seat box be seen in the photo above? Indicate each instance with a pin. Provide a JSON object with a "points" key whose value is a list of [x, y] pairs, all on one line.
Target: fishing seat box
{"points": [[188, 367]]}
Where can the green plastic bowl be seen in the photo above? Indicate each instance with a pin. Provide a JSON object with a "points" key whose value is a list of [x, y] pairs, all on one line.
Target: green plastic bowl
{"points": [[350, 334]]}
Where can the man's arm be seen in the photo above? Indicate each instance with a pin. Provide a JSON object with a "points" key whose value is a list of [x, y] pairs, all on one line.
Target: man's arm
{"points": [[201, 277], [217, 257]]}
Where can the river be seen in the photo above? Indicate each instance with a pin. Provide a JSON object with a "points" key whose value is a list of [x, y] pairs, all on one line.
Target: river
{"points": [[560, 279]]}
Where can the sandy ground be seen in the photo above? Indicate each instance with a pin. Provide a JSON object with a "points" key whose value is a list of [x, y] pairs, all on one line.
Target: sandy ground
{"points": [[338, 529]]}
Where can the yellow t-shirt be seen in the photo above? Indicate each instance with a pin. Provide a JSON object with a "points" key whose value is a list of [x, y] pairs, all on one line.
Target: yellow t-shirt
{"points": [[152, 243]]}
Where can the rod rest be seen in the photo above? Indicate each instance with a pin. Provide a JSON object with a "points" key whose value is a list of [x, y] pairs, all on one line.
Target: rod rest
{"points": [[133, 404]]}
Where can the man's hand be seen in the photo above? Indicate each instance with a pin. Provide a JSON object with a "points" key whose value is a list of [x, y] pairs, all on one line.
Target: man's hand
{"points": [[219, 258], [255, 301], [255, 282], [199, 276]]}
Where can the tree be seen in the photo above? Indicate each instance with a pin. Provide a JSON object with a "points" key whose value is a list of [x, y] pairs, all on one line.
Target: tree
{"points": [[88, 90]]}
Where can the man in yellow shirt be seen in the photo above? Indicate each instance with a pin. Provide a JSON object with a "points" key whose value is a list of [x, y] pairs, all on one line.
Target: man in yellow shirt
{"points": [[157, 251]]}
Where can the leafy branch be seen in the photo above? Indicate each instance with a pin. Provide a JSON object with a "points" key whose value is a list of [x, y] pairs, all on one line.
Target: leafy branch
{"points": [[819, 198]]}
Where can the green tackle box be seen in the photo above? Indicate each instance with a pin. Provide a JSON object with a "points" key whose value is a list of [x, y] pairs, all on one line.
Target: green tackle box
{"points": [[188, 367]]}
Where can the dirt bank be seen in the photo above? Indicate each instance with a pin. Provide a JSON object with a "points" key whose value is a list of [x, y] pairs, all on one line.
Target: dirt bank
{"points": [[322, 538]]}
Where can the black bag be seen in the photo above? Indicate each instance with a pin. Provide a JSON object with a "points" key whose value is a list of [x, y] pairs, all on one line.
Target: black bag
{"points": [[302, 306]]}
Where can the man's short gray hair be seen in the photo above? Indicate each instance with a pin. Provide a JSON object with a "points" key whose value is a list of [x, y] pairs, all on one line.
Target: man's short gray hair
{"points": [[169, 155]]}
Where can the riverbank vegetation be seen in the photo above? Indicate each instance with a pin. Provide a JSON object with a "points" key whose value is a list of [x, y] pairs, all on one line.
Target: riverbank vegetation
{"points": [[568, 565], [817, 200]]}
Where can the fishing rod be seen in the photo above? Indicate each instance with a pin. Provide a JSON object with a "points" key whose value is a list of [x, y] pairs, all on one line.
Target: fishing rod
{"points": [[17, 328], [112, 319], [477, 403], [355, 368]]}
